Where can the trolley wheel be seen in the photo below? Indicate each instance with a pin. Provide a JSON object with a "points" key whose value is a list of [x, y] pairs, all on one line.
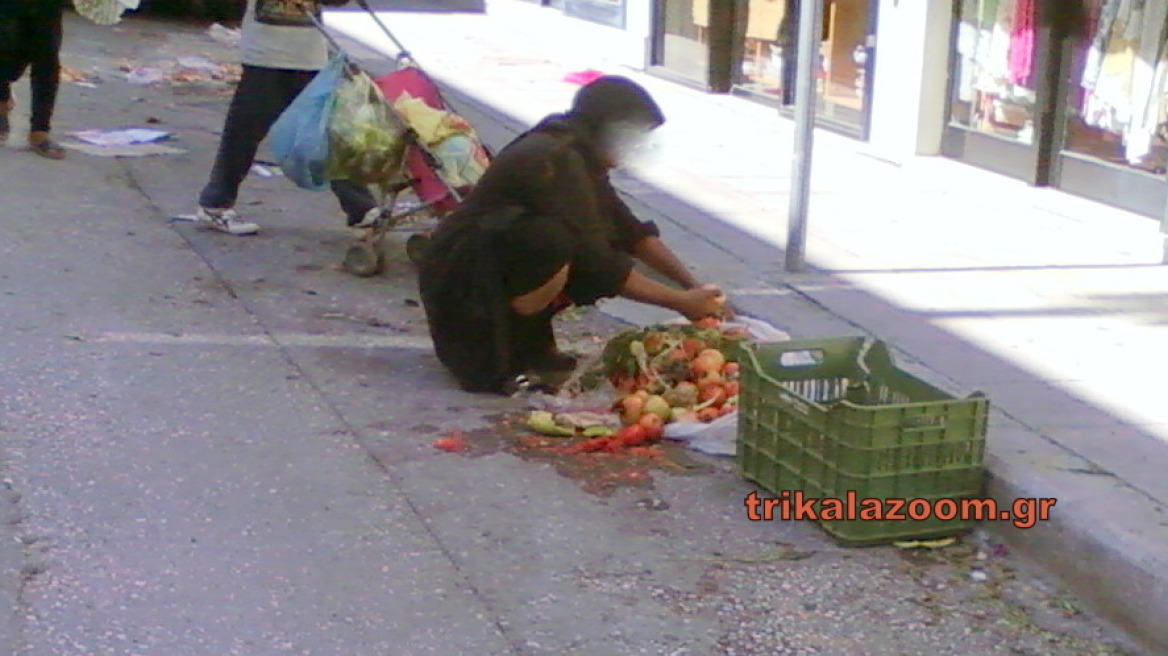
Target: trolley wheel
{"points": [[364, 260], [416, 247]]}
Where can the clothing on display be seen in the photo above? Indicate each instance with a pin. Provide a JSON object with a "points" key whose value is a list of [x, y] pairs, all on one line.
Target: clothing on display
{"points": [[1125, 74], [996, 44]]}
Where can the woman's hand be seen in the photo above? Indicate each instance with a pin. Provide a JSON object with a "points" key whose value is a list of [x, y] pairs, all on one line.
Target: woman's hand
{"points": [[704, 301]]}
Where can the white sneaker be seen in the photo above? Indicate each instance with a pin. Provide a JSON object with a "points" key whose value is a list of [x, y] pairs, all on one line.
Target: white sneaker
{"points": [[226, 220]]}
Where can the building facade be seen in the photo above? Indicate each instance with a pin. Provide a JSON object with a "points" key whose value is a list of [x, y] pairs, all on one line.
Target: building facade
{"points": [[1067, 93]]}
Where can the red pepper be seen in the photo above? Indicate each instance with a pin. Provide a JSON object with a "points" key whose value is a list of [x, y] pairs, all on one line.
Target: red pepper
{"points": [[632, 435]]}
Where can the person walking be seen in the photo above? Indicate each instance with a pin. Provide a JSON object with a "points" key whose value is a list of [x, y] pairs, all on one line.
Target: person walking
{"points": [[281, 51], [30, 40]]}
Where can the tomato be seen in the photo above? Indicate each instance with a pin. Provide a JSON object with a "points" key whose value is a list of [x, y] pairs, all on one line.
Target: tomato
{"points": [[703, 365], [631, 409], [707, 379], [732, 388], [450, 444], [730, 370], [692, 346], [653, 424], [714, 355], [714, 394], [708, 322], [632, 435], [708, 414]]}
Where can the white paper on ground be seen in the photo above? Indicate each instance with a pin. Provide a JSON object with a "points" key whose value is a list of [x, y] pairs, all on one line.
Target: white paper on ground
{"points": [[127, 150], [125, 137], [223, 34], [198, 63]]}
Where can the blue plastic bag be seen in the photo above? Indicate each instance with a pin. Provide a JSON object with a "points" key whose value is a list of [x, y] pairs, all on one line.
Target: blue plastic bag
{"points": [[300, 137]]}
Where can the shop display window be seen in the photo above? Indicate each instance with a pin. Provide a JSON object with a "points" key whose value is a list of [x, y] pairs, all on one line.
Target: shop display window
{"points": [[768, 38], [995, 78], [685, 40], [1117, 105]]}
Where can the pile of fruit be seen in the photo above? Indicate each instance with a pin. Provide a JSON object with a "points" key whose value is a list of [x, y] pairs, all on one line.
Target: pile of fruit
{"points": [[662, 374], [669, 373]]}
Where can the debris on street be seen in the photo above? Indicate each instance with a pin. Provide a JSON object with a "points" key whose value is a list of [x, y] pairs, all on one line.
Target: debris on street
{"points": [[130, 150], [264, 171], [129, 142], [455, 442], [123, 137], [185, 69], [80, 78], [224, 35]]}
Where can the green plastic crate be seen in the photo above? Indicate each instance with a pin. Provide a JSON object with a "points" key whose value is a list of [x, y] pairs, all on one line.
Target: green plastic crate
{"points": [[829, 417]]}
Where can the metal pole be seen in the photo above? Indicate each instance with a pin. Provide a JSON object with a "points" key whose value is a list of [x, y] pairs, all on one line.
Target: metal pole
{"points": [[810, 38]]}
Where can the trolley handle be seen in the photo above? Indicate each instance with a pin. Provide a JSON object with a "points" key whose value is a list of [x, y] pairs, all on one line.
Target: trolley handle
{"points": [[364, 4]]}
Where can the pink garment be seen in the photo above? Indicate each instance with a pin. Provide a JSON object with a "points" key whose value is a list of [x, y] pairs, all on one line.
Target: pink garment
{"points": [[582, 77], [1022, 43]]}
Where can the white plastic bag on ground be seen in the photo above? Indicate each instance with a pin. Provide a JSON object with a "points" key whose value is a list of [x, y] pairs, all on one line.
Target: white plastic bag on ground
{"points": [[717, 438]]}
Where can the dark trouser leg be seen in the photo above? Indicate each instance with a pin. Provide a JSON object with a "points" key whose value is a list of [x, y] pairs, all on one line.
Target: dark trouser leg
{"points": [[532, 255], [45, 67], [260, 98], [13, 58]]}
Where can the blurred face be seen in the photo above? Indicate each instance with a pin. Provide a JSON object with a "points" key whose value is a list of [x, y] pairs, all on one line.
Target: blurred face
{"points": [[626, 142]]}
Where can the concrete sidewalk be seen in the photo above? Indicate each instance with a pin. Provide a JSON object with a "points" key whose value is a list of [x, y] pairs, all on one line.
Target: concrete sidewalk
{"points": [[1041, 300]]}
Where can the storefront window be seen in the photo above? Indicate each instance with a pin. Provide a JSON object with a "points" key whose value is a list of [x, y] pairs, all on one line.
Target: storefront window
{"points": [[684, 40], [605, 12], [1118, 104], [769, 38], [995, 81]]}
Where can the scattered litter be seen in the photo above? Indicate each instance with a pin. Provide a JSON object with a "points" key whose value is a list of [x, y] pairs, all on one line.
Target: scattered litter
{"points": [[128, 150], [780, 554], [146, 75], [583, 77], [126, 137], [198, 63], [187, 69], [978, 576], [263, 171], [74, 76], [455, 443], [717, 438], [926, 544], [224, 34]]}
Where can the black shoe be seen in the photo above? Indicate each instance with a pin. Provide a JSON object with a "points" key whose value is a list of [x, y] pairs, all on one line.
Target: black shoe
{"points": [[554, 361]]}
